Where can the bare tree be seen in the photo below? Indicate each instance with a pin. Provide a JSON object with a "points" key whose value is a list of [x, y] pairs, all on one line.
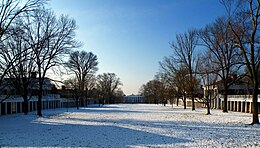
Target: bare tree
{"points": [[72, 85], [177, 76], [154, 90], [208, 79], [168, 69], [244, 23], [22, 67], [10, 10], [83, 64], [119, 94], [219, 40], [50, 39], [184, 51], [162, 87], [107, 84]]}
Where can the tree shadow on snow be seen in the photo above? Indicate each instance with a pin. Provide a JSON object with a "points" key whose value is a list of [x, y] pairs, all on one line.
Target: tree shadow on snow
{"points": [[45, 134]]}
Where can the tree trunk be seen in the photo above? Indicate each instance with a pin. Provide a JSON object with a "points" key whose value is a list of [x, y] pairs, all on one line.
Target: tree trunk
{"points": [[219, 103], [208, 109], [208, 105], [184, 102], [40, 81], [192, 88], [77, 102], [77, 99], [86, 101], [225, 102], [172, 102], [25, 106], [25, 98], [39, 102], [193, 102], [255, 104], [86, 97], [177, 101]]}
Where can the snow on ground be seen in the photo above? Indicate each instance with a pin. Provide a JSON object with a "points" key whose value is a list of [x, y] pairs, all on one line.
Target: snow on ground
{"points": [[124, 125]]}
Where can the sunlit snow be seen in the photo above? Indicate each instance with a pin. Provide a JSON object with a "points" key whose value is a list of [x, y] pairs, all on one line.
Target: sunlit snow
{"points": [[135, 125]]}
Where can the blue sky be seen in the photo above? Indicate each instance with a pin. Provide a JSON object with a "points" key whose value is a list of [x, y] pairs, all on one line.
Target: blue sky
{"points": [[130, 37]]}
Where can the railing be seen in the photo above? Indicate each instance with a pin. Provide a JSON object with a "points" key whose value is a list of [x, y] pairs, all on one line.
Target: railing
{"points": [[246, 98], [31, 98]]}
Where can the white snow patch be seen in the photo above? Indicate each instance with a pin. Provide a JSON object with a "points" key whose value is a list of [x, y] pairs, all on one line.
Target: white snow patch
{"points": [[125, 125]]}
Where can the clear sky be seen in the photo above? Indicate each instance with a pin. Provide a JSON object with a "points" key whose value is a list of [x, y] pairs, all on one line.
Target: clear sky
{"points": [[130, 37]]}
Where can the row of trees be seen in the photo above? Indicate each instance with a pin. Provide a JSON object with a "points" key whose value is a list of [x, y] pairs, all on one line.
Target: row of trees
{"points": [[83, 66], [34, 41], [226, 50]]}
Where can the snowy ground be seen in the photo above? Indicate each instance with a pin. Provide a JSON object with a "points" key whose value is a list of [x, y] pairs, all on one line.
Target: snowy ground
{"points": [[129, 126]]}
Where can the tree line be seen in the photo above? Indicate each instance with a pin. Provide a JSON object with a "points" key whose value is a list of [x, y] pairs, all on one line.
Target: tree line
{"points": [[35, 41], [85, 84], [224, 51]]}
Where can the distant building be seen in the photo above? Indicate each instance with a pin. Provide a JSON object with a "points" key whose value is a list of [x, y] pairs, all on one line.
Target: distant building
{"points": [[133, 99]]}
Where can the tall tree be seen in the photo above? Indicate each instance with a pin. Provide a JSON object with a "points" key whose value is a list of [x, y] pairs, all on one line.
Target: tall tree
{"points": [[244, 22], [10, 10], [83, 64], [107, 84], [184, 51], [50, 39], [219, 40], [22, 68]]}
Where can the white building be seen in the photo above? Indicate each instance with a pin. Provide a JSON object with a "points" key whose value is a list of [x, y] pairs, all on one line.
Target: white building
{"points": [[11, 101], [239, 97], [133, 99]]}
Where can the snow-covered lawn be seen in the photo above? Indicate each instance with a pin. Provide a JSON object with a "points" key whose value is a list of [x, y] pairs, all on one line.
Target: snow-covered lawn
{"points": [[124, 125]]}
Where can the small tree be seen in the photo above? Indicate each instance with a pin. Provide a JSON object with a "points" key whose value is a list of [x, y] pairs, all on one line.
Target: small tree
{"points": [[107, 84], [73, 85]]}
